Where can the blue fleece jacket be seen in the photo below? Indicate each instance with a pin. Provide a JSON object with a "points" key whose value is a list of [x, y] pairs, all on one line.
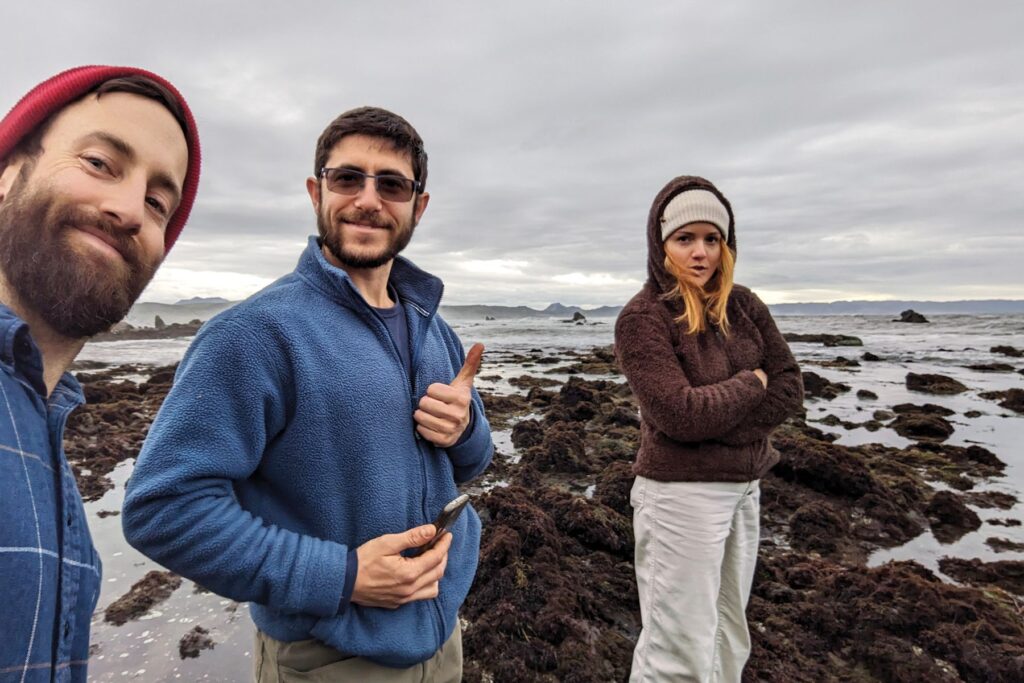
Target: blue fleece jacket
{"points": [[288, 439]]}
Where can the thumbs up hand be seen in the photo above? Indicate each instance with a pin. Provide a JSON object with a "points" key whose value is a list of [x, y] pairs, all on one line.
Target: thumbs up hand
{"points": [[443, 412]]}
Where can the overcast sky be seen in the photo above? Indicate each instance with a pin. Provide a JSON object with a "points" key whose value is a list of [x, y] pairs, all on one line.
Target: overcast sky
{"points": [[870, 150]]}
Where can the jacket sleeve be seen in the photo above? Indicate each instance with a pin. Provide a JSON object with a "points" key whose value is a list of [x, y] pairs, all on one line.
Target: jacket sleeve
{"points": [[785, 392], [667, 401], [227, 402], [472, 453]]}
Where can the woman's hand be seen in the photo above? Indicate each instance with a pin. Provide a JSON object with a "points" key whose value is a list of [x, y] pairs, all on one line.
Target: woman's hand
{"points": [[761, 376]]}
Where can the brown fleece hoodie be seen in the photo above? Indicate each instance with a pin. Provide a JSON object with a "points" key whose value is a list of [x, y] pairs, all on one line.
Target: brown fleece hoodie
{"points": [[704, 414]]}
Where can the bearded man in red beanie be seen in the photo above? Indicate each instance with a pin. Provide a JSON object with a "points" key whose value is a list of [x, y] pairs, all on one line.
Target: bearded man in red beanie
{"points": [[98, 172]]}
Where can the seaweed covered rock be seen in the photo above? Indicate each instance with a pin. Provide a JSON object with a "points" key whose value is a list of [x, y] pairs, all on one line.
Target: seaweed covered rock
{"points": [[922, 409], [813, 620], [545, 607], [1012, 399], [153, 588], [614, 485], [561, 449], [950, 518], [922, 427], [883, 495], [527, 433], [194, 642], [818, 387], [934, 384], [112, 425], [1006, 574], [1006, 350], [825, 339], [818, 526], [502, 408]]}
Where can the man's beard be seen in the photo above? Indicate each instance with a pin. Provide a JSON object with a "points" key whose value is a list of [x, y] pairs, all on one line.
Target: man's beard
{"points": [[330, 237], [75, 294]]}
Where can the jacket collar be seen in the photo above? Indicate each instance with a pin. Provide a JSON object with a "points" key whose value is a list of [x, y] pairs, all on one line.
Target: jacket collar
{"points": [[415, 286], [18, 351]]}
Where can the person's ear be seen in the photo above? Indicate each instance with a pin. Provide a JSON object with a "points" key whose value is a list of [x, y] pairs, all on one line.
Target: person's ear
{"points": [[421, 205], [313, 188], [9, 172]]}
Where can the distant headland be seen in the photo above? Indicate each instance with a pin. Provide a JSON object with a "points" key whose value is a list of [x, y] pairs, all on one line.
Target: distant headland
{"points": [[204, 308]]}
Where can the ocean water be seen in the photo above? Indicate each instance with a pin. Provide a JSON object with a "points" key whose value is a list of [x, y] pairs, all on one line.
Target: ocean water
{"points": [[147, 649]]}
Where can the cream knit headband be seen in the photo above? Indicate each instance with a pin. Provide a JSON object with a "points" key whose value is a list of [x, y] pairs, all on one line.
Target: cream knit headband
{"points": [[694, 206]]}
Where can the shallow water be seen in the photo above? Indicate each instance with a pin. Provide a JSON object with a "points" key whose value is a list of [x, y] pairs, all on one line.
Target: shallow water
{"points": [[147, 649]]}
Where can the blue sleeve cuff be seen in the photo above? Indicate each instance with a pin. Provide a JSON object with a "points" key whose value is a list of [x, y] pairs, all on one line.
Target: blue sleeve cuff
{"points": [[351, 569]]}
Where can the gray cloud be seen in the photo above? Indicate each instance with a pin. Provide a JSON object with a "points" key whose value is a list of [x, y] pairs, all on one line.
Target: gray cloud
{"points": [[870, 150]]}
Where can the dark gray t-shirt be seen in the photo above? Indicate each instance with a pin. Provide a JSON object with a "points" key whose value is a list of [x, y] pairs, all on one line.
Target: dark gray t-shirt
{"points": [[398, 328]]}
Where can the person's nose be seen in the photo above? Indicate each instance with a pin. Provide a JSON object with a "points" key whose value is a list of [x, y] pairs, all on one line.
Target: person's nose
{"points": [[700, 251], [367, 198], [124, 204]]}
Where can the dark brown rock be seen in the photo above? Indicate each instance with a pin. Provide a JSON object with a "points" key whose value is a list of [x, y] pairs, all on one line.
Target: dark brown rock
{"points": [[934, 384], [817, 386], [194, 642], [153, 588], [527, 433], [502, 408], [991, 499], [991, 367], [1004, 522], [818, 526], [826, 339], [1004, 545], [922, 427], [112, 425], [562, 449], [1007, 574], [925, 409], [614, 485], [911, 316], [1012, 399], [950, 518], [813, 620], [529, 381]]}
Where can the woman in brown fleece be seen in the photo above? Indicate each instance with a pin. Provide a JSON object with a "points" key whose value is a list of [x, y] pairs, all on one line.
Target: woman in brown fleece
{"points": [[713, 377]]}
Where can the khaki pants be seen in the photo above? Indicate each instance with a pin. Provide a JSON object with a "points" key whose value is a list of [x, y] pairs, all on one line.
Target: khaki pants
{"points": [[312, 661], [696, 547]]}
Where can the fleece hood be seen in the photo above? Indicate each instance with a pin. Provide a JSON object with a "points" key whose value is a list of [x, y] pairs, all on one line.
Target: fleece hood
{"points": [[657, 276]]}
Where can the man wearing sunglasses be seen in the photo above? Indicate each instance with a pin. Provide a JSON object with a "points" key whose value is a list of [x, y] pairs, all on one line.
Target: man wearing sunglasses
{"points": [[315, 430]]}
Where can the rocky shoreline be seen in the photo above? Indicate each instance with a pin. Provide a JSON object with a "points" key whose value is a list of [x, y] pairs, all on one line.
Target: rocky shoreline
{"points": [[555, 597]]}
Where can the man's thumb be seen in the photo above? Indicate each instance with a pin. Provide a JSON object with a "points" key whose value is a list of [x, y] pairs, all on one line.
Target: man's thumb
{"points": [[472, 365], [392, 544], [420, 535]]}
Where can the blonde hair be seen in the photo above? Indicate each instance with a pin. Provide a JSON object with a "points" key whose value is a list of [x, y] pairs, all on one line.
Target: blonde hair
{"points": [[709, 302]]}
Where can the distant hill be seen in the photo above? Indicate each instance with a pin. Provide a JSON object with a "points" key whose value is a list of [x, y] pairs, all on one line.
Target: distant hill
{"points": [[201, 300], [143, 314], [204, 308], [556, 310], [895, 307]]}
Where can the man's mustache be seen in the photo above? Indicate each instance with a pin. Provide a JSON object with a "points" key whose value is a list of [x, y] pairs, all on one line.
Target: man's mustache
{"points": [[70, 217], [365, 218]]}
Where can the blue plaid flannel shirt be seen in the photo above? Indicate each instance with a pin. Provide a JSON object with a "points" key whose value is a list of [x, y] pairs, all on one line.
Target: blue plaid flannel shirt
{"points": [[49, 569]]}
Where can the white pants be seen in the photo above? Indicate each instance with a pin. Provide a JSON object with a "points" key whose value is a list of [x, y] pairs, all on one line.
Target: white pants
{"points": [[696, 547]]}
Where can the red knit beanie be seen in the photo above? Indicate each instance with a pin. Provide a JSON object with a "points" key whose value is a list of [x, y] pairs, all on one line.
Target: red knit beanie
{"points": [[55, 93]]}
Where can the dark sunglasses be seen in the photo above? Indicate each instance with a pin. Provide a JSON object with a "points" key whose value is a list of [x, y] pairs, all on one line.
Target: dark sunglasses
{"points": [[391, 188]]}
